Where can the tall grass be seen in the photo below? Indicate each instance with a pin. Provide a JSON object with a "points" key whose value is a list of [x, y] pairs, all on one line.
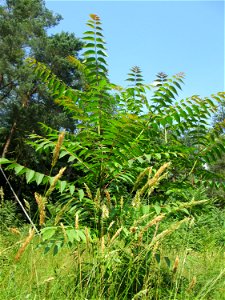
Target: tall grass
{"points": [[121, 266], [141, 253]]}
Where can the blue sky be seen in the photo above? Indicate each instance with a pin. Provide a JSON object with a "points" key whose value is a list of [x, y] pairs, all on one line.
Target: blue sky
{"points": [[168, 36]]}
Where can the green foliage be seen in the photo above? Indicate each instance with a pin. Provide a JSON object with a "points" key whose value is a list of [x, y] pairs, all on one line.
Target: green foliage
{"points": [[24, 102], [118, 266], [9, 214], [121, 132], [135, 167]]}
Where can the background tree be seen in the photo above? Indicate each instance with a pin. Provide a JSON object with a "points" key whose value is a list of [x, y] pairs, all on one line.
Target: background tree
{"points": [[24, 102]]}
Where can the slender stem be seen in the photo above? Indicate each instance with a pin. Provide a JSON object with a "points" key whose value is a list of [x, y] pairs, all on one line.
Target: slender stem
{"points": [[18, 200]]}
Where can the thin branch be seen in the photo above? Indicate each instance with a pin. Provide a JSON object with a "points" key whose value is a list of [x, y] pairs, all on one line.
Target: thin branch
{"points": [[18, 200]]}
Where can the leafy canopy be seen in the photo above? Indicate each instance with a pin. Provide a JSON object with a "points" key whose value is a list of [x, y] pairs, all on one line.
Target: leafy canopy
{"points": [[123, 131]]}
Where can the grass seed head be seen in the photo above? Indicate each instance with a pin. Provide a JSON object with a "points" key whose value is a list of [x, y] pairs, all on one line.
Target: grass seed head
{"points": [[64, 232], [162, 169], [141, 176], [55, 180], [57, 148], [88, 191], [175, 265], [105, 212], [121, 202], [41, 202], [116, 234], [76, 221], [87, 235], [1, 194], [107, 194], [192, 284], [154, 221], [136, 202], [97, 198], [25, 244], [103, 244], [15, 230]]}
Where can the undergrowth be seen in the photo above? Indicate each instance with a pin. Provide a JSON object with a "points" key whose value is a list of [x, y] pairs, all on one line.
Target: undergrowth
{"points": [[118, 269]]}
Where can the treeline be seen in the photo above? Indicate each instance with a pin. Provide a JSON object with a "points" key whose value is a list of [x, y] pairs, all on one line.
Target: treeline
{"points": [[24, 101]]}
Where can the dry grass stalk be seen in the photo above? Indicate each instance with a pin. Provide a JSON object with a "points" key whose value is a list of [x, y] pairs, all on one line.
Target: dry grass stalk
{"points": [[116, 234], [57, 148], [121, 202], [76, 221], [142, 218], [168, 231], [155, 248], [107, 194], [103, 244], [136, 202], [1, 194], [64, 232], [141, 176], [88, 191], [55, 180], [110, 225], [97, 198], [87, 237], [162, 169], [41, 202], [152, 182], [15, 230], [154, 221], [175, 265], [192, 284], [141, 295], [105, 212], [25, 244]]}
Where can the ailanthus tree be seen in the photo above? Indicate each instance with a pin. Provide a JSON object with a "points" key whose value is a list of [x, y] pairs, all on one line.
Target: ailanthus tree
{"points": [[112, 147]]}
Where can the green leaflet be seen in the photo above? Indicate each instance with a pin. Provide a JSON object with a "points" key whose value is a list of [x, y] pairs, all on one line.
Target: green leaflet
{"points": [[48, 232], [30, 175], [4, 161], [39, 177]]}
